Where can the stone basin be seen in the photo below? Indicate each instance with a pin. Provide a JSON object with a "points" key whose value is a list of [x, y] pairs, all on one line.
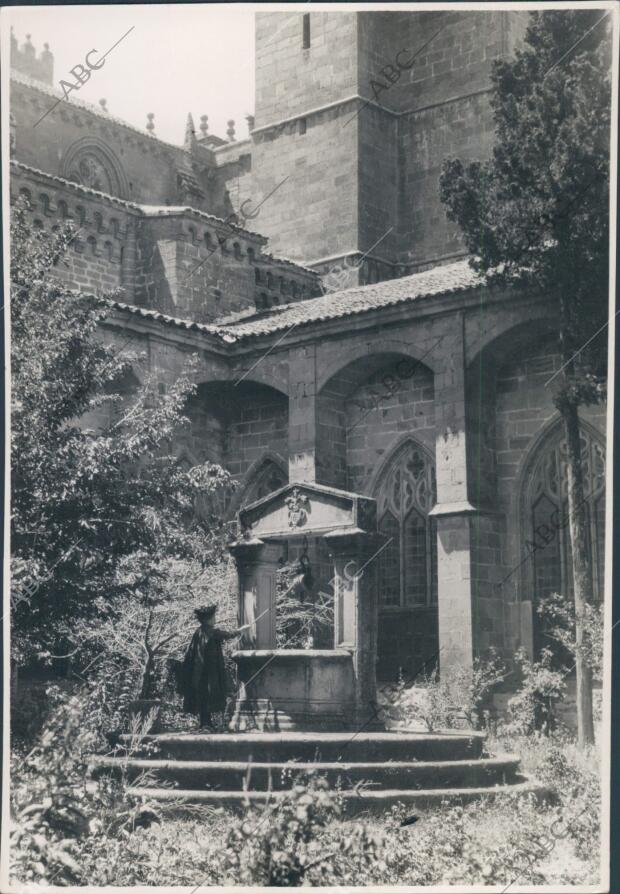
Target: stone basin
{"points": [[297, 688]]}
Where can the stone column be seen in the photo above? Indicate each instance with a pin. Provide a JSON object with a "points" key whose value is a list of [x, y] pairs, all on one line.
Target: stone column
{"points": [[256, 569], [355, 612], [453, 513], [302, 424]]}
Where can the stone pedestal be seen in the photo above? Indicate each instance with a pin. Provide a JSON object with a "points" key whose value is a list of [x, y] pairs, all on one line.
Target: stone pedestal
{"points": [[356, 613], [308, 688], [295, 689], [257, 563]]}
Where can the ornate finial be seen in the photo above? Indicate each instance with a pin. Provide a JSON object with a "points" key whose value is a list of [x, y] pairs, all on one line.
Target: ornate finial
{"points": [[190, 134], [230, 133], [28, 47], [250, 119], [150, 126], [204, 124], [104, 105]]}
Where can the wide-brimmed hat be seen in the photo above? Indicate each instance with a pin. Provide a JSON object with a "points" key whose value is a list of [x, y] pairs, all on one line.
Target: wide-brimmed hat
{"points": [[205, 612]]}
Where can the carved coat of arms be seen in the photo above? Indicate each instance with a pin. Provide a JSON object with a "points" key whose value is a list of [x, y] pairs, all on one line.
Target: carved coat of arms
{"points": [[298, 508]]}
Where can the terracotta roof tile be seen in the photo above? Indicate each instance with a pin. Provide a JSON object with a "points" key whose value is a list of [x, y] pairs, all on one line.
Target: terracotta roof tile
{"points": [[454, 277], [457, 277]]}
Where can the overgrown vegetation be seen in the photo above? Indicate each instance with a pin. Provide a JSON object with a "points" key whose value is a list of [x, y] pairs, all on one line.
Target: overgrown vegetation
{"points": [[460, 697], [559, 615], [72, 829], [304, 616], [95, 502], [282, 845]]}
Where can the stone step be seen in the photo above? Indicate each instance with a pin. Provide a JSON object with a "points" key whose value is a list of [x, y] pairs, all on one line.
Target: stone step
{"points": [[230, 775], [355, 802], [317, 746]]}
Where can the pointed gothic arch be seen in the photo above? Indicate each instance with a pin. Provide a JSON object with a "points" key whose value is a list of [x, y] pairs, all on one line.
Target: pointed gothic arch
{"points": [[543, 500], [267, 474], [90, 162], [406, 491]]}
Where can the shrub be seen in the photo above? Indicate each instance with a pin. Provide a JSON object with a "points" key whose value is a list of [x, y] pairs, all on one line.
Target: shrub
{"points": [[533, 707], [58, 811], [457, 698], [559, 616], [486, 842], [280, 844]]}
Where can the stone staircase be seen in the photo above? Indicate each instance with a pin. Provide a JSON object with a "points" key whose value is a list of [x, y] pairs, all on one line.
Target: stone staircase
{"points": [[373, 769]]}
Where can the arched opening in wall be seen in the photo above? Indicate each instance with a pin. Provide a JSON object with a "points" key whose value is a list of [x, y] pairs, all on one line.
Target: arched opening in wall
{"points": [[407, 567], [235, 426], [244, 428], [90, 162], [268, 477], [376, 436], [545, 537], [364, 409], [510, 402]]}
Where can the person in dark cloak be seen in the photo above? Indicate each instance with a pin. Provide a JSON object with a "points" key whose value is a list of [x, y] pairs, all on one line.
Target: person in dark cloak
{"points": [[202, 677]]}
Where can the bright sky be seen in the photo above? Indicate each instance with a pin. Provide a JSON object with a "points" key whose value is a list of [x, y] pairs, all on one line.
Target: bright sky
{"points": [[177, 59]]}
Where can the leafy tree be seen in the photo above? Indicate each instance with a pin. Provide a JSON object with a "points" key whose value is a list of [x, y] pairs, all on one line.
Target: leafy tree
{"points": [[559, 617], [87, 499], [134, 638], [536, 215]]}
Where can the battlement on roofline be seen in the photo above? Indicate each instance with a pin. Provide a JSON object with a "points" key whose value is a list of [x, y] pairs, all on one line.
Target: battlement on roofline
{"points": [[25, 60], [176, 260]]}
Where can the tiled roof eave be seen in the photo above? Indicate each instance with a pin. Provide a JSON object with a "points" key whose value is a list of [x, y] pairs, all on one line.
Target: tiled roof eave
{"points": [[234, 335], [139, 208], [344, 314], [363, 300]]}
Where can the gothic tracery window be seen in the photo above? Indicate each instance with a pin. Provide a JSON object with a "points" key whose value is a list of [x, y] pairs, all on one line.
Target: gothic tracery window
{"points": [[547, 538], [90, 162], [89, 170], [408, 564]]}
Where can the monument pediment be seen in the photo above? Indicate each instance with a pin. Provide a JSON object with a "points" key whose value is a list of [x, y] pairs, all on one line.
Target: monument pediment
{"points": [[301, 508]]}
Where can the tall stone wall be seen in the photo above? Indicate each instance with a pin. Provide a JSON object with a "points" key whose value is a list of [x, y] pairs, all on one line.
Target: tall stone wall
{"points": [[181, 262], [314, 213], [360, 172], [95, 260], [258, 425], [517, 408], [376, 420], [291, 80], [461, 128], [119, 159]]}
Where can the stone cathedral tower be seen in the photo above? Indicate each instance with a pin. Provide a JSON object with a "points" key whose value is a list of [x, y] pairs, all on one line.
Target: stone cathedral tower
{"points": [[358, 111]]}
